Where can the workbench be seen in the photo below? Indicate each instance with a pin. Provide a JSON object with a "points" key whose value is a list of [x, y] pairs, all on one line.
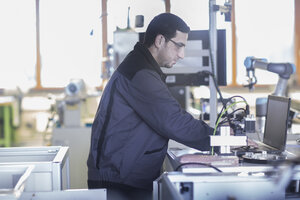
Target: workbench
{"points": [[229, 179]]}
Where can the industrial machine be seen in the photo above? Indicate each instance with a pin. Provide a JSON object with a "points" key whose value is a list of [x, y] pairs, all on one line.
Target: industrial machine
{"points": [[253, 182], [13, 180], [225, 141], [70, 108], [76, 111], [77, 105], [51, 166], [193, 174], [78, 141], [10, 114], [39, 173], [284, 71]]}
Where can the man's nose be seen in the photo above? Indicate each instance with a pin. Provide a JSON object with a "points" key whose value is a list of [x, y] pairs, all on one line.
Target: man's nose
{"points": [[181, 53]]}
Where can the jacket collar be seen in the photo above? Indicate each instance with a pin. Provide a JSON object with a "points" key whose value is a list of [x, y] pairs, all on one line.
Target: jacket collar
{"points": [[140, 47]]}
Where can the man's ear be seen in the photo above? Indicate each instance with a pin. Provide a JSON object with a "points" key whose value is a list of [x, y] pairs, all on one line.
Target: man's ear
{"points": [[159, 40]]}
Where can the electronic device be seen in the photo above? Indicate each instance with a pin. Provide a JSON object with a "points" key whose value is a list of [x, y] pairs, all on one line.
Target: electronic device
{"points": [[276, 125], [284, 71], [263, 157], [275, 133]]}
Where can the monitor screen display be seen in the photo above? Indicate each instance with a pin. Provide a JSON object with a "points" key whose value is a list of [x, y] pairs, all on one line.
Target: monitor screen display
{"points": [[276, 125]]}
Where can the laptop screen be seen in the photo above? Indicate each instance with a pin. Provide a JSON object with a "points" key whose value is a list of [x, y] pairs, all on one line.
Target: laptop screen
{"points": [[277, 121]]}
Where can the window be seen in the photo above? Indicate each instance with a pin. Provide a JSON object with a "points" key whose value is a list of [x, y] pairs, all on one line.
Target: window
{"points": [[264, 29], [70, 41], [118, 13], [18, 44], [122, 33]]}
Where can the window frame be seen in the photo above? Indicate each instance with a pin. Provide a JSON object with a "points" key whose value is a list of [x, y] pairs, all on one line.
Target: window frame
{"points": [[167, 8]]}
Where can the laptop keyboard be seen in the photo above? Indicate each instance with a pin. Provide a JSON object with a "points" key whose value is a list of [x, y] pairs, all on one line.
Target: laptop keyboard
{"points": [[242, 150], [269, 150]]}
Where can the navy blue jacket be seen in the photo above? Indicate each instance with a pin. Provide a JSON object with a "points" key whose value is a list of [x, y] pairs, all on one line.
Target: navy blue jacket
{"points": [[136, 117]]}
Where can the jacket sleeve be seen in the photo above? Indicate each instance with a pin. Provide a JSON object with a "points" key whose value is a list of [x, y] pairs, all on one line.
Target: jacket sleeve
{"points": [[149, 96]]}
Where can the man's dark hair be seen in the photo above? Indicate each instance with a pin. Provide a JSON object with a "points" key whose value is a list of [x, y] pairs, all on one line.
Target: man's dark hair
{"points": [[165, 24]]}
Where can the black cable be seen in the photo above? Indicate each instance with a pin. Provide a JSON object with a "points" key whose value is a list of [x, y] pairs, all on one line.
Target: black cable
{"points": [[238, 96], [213, 76], [230, 114], [230, 98], [225, 121], [238, 109], [217, 87], [198, 163], [219, 92], [247, 106]]}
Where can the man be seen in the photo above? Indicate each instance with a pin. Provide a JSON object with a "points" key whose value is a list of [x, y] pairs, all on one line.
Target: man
{"points": [[137, 114]]}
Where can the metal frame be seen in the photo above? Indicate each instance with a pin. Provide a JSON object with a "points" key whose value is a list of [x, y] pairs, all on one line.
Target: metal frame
{"points": [[213, 47], [188, 186], [93, 194], [51, 164], [13, 179]]}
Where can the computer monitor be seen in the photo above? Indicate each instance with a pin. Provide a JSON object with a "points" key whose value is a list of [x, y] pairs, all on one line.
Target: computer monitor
{"points": [[276, 124]]}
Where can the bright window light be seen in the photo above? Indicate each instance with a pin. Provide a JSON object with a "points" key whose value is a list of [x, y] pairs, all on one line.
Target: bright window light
{"points": [[264, 29]]}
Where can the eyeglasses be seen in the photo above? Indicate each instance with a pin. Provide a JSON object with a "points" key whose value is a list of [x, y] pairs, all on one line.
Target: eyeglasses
{"points": [[177, 44]]}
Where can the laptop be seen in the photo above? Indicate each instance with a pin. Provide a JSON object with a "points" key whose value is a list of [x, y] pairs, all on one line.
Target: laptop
{"points": [[276, 125]]}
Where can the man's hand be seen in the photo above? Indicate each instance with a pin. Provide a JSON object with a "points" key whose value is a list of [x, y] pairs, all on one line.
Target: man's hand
{"points": [[251, 143]]}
